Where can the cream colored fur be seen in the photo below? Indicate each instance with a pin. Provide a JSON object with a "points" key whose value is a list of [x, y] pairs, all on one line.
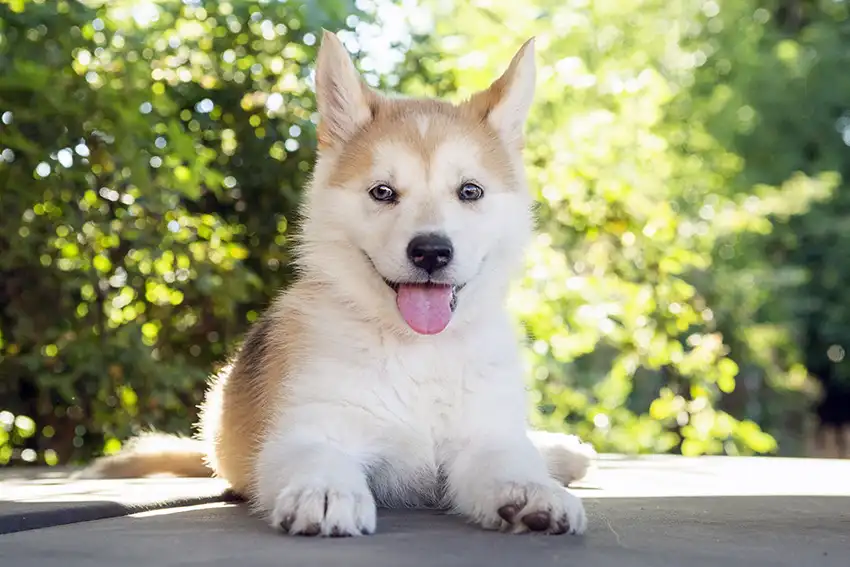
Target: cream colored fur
{"points": [[333, 404]]}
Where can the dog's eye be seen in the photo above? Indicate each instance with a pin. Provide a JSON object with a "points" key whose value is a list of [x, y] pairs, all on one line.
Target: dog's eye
{"points": [[470, 192], [382, 192]]}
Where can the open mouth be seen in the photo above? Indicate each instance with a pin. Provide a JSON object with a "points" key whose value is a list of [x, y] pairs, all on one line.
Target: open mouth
{"points": [[426, 307]]}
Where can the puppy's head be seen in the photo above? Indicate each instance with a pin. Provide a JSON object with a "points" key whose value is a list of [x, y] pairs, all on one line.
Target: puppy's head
{"points": [[418, 212]]}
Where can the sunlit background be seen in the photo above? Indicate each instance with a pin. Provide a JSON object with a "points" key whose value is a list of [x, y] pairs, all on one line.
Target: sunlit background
{"points": [[685, 293]]}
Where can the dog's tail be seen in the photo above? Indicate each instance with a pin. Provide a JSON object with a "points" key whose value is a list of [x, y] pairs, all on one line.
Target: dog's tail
{"points": [[566, 456], [151, 454]]}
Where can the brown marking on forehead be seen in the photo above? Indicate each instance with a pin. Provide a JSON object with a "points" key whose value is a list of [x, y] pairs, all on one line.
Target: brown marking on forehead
{"points": [[397, 121]]}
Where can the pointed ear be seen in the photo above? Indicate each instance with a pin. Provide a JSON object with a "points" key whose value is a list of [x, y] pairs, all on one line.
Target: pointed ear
{"points": [[343, 99], [507, 102]]}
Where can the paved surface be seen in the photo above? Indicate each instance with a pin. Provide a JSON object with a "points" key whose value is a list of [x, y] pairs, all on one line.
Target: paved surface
{"points": [[643, 512], [48, 498]]}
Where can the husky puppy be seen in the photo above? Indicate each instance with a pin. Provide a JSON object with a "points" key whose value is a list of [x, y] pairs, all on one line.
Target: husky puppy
{"points": [[390, 373]]}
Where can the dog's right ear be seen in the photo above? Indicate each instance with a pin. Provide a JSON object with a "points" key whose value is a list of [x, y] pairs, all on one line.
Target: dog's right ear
{"points": [[506, 103], [343, 99]]}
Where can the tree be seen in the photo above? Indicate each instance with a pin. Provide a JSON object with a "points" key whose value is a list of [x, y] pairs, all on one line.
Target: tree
{"points": [[788, 82]]}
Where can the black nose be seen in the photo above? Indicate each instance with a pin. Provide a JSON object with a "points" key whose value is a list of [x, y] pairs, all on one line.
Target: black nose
{"points": [[430, 252]]}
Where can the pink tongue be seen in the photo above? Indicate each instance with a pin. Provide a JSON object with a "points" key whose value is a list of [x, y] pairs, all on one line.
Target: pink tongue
{"points": [[426, 308]]}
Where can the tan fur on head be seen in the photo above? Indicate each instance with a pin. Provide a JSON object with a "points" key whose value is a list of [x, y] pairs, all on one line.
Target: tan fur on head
{"points": [[348, 106], [421, 126]]}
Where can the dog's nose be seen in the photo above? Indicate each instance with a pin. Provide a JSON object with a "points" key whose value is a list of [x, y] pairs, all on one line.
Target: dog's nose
{"points": [[430, 252]]}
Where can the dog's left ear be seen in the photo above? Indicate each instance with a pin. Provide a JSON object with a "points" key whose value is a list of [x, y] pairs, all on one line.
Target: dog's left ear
{"points": [[343, 99], [507, 102]]}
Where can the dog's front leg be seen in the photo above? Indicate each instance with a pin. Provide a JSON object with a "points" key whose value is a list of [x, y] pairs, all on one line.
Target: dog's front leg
{"points": [[310, 485], [503, 483]]}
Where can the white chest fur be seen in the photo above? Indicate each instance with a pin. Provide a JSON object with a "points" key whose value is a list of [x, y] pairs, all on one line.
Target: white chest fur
{"points": [[404, 405]]}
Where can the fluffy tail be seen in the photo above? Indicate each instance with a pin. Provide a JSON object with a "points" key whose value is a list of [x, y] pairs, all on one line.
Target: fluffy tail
{"points": [[566, 456], [150, 454]]}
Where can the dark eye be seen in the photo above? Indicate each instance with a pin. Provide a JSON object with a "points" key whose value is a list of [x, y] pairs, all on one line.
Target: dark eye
{"points": [[382, 192], [470, 192]]}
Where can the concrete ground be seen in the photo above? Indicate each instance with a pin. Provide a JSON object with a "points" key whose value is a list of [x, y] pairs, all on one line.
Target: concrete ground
{"points": [[654, 511]]}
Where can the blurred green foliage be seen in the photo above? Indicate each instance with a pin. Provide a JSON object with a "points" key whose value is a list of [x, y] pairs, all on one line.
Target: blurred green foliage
{"points": [[152, 156]]}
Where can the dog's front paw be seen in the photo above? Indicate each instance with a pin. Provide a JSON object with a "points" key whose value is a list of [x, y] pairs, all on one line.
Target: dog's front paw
{"points": [[547, 508], [323, 511]]}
